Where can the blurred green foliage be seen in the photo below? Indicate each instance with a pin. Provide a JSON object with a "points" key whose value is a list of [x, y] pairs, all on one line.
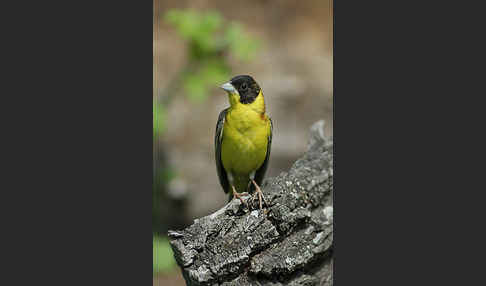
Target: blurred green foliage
{"points": [[241, 44], [163, 259], [198, 83], [211, 43], [159, 118]]}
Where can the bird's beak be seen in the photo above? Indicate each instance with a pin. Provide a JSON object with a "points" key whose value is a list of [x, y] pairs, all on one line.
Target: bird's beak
{"points": [[228, 87]]}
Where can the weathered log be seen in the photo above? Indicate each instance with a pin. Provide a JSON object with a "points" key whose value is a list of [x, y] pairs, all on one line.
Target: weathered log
{"points": [[288, 243]]}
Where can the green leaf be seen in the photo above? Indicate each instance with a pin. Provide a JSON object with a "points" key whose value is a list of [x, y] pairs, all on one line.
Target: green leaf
{"points": [[163, 257], [214, 72], [159, 118], [185, 22], [195, 87], [198, 84], [198, 28], [241, 44]]}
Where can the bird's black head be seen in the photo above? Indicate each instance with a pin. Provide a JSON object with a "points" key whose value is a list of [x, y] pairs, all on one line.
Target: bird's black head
{"points": [[246, 87]]}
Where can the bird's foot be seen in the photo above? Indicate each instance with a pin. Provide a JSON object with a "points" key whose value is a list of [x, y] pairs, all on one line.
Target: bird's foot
{"points": [[240, 197], [260, 195]]}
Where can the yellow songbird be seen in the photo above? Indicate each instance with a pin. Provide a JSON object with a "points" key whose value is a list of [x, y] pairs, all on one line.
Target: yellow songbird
{"points": [[243, 139]]}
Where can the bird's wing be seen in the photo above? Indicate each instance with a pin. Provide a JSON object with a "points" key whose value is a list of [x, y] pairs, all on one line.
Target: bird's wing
{"points": [[260, 173], [218, 139]]}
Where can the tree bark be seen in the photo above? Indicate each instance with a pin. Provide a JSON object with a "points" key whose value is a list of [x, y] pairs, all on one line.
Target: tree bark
{"points": [[287, 243]]}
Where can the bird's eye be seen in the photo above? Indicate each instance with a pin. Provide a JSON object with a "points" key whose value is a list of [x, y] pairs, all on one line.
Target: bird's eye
{"points": [[243, 86]]}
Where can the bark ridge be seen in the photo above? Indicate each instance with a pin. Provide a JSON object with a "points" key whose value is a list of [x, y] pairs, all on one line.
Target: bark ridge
{"points": [[288, 243]]}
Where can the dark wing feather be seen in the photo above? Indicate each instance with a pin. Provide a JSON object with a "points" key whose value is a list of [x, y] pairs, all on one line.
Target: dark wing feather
{"points": [[260, 173], [218, 138]]}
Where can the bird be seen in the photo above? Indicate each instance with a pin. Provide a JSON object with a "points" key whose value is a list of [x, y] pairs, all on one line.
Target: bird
{"points": [[243, 140]]}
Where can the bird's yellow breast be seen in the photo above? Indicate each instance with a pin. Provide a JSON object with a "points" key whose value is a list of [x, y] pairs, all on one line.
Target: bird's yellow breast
{"points": [[245, 139]]}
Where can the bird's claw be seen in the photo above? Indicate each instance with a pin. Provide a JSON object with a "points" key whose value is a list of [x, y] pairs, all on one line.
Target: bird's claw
{"points": [[260, 195], [240, 197]]}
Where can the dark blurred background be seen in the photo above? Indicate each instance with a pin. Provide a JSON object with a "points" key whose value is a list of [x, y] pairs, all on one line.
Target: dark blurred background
{"points": [[198, 45]]}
